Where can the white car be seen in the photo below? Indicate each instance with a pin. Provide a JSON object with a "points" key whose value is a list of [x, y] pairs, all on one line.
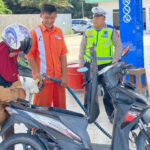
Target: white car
{"points": [[80, 25]]}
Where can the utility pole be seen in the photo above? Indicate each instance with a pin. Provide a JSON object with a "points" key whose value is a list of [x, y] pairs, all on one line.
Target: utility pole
{"points": [[82, 8]]}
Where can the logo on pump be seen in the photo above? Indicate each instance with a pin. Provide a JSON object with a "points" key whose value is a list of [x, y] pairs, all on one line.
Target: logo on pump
{"points": [[126, 10]]}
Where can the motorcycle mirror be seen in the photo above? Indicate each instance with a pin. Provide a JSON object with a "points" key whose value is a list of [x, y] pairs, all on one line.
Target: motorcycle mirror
{"points": [[83, 69], [125, 51]]}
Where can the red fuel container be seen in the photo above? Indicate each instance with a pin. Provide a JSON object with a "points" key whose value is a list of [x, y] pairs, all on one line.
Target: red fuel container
{"points": [[75, 79]]}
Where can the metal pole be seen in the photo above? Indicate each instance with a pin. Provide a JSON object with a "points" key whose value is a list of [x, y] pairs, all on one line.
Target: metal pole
{"points": [[83, 9]]}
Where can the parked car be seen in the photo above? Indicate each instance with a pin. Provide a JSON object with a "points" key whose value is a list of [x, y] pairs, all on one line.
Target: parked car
{"points": [[80, 25]]}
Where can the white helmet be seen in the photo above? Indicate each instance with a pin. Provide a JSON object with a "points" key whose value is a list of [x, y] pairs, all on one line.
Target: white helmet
{"points": [[17, 36], [97, 11]]}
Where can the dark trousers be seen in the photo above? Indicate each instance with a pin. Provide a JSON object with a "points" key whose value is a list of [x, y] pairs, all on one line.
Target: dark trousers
{"points": [[107, 99]]}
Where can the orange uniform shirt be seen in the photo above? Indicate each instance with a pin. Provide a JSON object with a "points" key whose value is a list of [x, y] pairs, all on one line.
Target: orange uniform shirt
{"points": [[55, 47]]}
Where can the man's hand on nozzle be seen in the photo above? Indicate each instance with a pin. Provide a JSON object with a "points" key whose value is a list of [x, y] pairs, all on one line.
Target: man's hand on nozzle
{"points": [[39, 78]]}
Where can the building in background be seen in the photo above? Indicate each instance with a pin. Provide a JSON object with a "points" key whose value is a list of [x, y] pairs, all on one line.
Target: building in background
{"points": [[112, 9]]}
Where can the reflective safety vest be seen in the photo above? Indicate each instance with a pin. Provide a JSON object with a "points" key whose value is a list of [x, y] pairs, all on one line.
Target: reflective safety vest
{"points": [[104, 44], [41, 49]]}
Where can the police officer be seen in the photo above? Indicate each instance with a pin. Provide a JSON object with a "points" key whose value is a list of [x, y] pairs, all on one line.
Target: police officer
{"points": [[108, 48]]}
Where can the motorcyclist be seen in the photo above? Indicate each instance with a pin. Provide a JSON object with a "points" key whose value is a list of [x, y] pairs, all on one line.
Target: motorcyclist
{"points": [[15, 38]]}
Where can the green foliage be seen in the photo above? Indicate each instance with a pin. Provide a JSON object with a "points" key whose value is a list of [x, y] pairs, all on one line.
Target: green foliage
{"points": [[3, 9], [76, 11], [64, 6], [33, 6], [38, 3], [17, 8]]}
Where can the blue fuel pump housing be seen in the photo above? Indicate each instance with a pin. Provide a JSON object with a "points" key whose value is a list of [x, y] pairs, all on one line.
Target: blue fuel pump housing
{"points": [[131, 30]]}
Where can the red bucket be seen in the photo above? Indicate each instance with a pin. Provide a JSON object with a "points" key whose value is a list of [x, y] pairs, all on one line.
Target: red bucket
{"points": [[75, 79]]}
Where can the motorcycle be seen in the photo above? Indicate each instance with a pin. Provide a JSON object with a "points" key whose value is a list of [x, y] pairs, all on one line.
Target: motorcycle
{"points": [[56, 129]]}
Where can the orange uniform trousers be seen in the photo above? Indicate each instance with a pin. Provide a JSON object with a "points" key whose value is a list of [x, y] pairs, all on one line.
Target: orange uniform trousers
{"points": [[52, 94]]}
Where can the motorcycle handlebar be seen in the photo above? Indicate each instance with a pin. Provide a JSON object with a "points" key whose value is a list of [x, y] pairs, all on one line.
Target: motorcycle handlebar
{"points": [[59, 81], [127, 66]]}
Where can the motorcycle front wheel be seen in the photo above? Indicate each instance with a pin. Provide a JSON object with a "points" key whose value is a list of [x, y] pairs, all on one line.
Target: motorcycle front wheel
{"points": [[22, 142]]}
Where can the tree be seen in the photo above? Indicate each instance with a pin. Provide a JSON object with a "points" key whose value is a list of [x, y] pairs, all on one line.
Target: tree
{"points": [[32, 6], [38, 3], [64, 6], [76, 11], [3, 9], [17, 8]]}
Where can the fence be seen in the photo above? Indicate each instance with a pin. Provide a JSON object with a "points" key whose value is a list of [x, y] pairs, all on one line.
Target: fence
{"points": [[32, 20]]}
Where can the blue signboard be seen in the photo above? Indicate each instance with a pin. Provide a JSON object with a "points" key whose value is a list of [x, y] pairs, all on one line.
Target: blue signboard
{"points": [[131, 30]]}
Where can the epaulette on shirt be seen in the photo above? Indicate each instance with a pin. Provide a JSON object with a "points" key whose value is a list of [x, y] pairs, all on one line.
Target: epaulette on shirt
{"points": [[110, 27], [89, 27]]}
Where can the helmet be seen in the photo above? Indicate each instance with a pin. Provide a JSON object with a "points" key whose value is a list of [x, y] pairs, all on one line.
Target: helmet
{"points": [[17, 36], [97, 11]]}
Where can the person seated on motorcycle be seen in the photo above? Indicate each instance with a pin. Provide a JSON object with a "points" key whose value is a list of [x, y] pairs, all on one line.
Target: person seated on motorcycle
{"points": [[15, 38]]}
